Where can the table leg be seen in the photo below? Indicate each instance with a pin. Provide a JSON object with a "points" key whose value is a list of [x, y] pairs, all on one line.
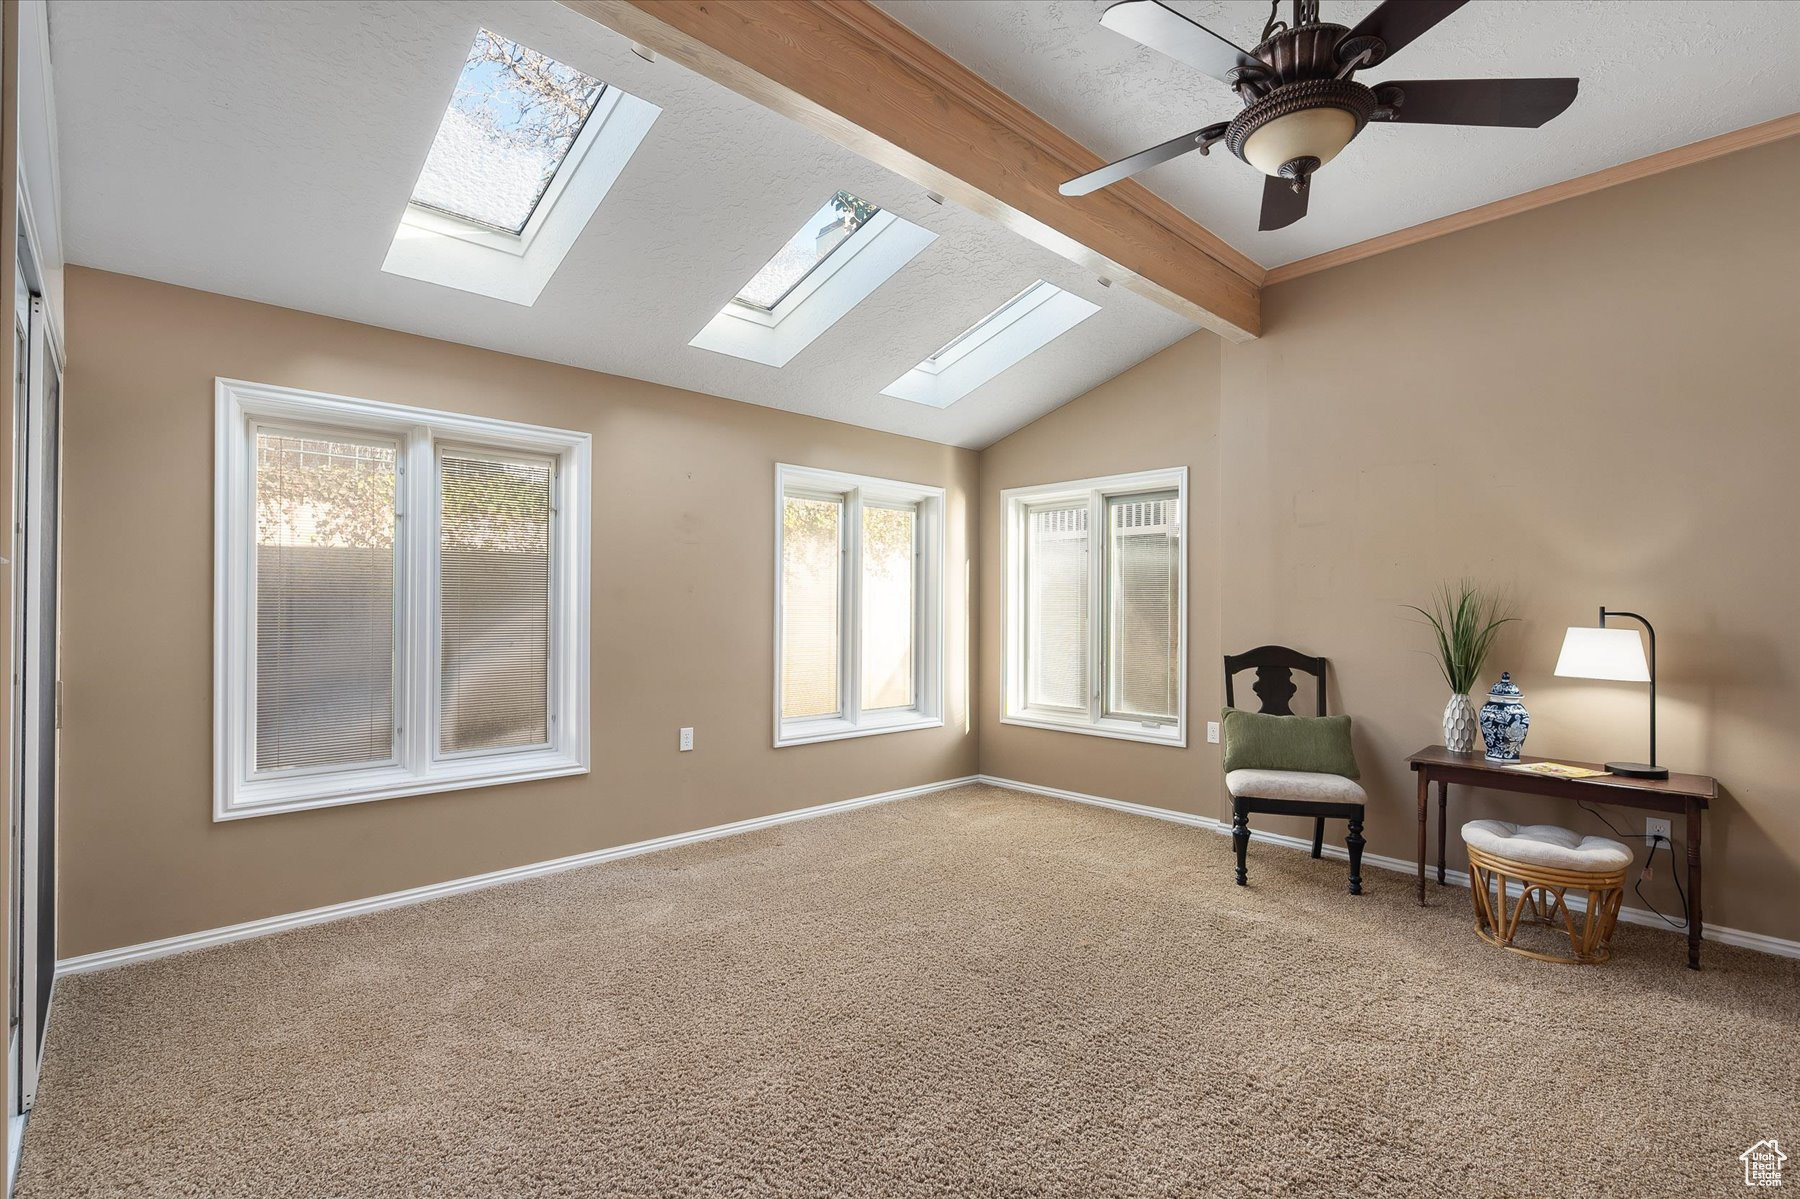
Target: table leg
{"points": [[1443, 803], [1424, 815], [1695, 926]]}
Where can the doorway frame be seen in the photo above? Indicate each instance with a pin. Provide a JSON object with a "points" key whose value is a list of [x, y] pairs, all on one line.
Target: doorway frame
{"points": [[35, 523]]}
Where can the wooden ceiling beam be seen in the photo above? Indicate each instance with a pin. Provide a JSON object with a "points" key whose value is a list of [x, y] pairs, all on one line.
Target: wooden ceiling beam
{"points": [[847, 70]]}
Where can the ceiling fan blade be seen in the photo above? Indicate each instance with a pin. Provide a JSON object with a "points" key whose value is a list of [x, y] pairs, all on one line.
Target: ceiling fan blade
{"points": [[1282, 205], [1398, 22], [1168, 32], [1143, 160], [1517, 103]]}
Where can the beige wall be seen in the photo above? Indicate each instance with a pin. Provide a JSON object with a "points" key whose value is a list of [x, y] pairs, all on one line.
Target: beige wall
{"points": [[1593, 403], [1163, 413], [682, 600]]}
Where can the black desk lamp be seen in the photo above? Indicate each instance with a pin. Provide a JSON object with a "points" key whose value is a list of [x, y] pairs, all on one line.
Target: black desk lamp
{"points": [[1617, 654]]}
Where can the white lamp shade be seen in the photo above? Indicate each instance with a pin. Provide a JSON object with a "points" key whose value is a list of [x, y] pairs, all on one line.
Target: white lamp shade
{"points": [[1310, 133], [1595, 653]]}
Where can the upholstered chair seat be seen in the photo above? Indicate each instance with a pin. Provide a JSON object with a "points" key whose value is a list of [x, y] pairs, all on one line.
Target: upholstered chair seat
{"points": [[1303, 785]]}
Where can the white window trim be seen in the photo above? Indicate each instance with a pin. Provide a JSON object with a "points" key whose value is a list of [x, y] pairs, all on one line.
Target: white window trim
{"points": [[1015, 501], [928, 577], [998, 342], [848, 276], [438, 247], [419, 767]]}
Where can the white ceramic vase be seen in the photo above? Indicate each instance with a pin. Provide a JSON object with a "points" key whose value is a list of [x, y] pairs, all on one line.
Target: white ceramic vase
{"points": [[1460, 725]]}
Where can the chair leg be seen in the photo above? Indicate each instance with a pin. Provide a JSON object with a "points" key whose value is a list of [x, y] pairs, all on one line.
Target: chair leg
{"points": [[1318, 836], [1240, 838], [1353, 841]]}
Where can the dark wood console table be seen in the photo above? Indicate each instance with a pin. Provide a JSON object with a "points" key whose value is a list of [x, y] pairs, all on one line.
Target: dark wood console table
{"points": [[1684, 794]]}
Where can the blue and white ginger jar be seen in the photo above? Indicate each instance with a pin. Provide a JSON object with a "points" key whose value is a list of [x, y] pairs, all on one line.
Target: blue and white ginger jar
{"points": [[1504, 720]]}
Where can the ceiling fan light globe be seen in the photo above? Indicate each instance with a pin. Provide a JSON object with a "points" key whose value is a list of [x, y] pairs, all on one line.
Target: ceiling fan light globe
{"points": [[1319, 133]]}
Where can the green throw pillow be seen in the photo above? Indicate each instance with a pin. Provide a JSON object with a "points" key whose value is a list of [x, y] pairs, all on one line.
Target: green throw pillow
{"points": [[1318, 744]]}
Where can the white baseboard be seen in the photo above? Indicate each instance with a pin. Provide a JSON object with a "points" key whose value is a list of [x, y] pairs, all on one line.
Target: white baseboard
{"points": [[187, 942], [1760, 942], [1100, 801]]}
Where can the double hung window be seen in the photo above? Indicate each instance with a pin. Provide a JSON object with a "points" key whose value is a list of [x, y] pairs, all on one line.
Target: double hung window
{"points": [[401, 601], [1095, 606], [858, 606]]}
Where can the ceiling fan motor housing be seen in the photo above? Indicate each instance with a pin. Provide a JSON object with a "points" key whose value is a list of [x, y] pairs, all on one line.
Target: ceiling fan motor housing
{"points": [[1306, 52], [1298, 114]]}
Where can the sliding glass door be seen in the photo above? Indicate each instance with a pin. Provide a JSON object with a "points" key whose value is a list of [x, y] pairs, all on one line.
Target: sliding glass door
{"points": [[37, 403]]}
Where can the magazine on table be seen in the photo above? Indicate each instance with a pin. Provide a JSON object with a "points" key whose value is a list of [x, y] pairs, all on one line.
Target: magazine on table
{"points": [[1559, 770]]}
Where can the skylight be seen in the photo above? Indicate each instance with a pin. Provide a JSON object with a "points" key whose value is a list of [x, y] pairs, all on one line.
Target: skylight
{"points": [[515, 115], [989, 326], [843, 253], [993, 345], [827, 229]]}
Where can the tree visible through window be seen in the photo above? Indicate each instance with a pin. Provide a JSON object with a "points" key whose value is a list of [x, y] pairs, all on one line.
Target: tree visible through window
{"points": [[858, 637], [494, 603], [325, 515], [827, 229], [512, 121], [402, 598], [811, 562], [889, 624]]}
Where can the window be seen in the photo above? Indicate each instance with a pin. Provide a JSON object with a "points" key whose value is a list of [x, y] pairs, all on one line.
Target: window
{"points": [[993, 345], [325, 568], [827, 230], [527, 149], [401, 601], [1095, 607], [839, 256], [858, 606], [512, 122]]}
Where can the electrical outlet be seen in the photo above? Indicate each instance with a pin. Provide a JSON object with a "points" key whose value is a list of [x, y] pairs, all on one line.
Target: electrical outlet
{"points": [[1212, 732], [687, 740], [1655, 827]]}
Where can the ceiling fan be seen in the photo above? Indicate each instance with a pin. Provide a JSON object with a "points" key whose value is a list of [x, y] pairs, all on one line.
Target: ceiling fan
{"points": [[1301, 103]]}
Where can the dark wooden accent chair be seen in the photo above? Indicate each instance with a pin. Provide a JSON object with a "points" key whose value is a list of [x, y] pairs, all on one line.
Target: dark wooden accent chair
{"points": [[1289, 793]]}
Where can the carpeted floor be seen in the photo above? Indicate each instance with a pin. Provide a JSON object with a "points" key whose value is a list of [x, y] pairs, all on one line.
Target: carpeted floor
{"points": [[974, 993]]}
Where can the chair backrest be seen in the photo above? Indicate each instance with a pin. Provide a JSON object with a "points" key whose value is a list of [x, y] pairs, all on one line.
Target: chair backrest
{"points": [[1274, 666]]}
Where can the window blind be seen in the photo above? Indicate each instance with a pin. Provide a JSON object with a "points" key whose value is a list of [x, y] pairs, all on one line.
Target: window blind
{"points": [[889, 629], [494, 602], [1144, 598], [1056, 615], [324, 572], [811, 576]]}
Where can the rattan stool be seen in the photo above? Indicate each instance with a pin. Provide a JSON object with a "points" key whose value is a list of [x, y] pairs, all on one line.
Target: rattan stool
{"points": [[1546, 862]]}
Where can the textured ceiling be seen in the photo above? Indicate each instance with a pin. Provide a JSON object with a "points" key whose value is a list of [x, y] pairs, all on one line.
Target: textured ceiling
{"points": [[267, 150], [1653, 76]]}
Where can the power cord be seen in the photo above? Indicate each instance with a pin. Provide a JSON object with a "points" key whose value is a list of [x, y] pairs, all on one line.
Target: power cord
{"points": [[1674, 873], [1656, 839]]}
